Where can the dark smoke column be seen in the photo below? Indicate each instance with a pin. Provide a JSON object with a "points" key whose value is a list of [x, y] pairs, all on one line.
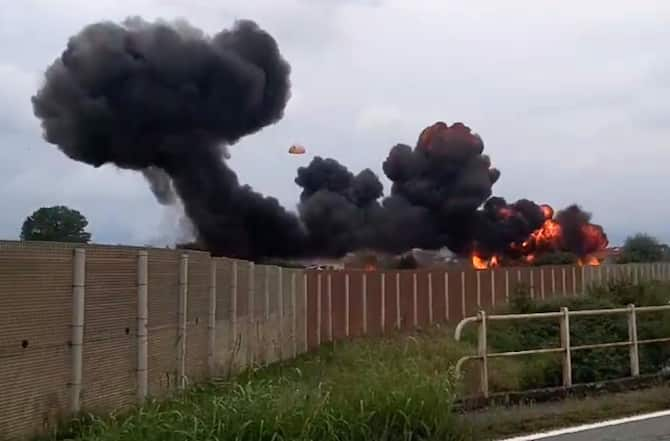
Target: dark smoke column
{"points": [[164, 99]]}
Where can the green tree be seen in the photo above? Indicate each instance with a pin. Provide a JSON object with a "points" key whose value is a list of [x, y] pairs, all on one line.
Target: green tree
{"points": [[641, 248], [57, 224]]}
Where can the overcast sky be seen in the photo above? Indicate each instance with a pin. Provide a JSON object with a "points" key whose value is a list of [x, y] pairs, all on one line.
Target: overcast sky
{"points": [[572, 99]]}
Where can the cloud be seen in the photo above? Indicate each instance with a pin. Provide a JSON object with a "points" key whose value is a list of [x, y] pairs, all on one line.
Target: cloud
{"points": [[379, 117], [15, 85]]}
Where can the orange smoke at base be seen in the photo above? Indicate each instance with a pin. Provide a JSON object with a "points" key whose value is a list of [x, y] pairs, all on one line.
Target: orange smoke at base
{"points": [[369, 267]]}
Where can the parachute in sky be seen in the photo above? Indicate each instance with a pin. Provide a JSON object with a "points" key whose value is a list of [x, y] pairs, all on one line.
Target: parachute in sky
{"points": [[297, 150]]}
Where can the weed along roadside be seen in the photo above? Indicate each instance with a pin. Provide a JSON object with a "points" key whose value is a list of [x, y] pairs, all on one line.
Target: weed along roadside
{"points": [[395, 388], [404, 386]]}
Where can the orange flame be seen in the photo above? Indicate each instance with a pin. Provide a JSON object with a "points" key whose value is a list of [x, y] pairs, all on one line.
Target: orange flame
{"points": [[548, 238], [481, 263], [588, 261]]}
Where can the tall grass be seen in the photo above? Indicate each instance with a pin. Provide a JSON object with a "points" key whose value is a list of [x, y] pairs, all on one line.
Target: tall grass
{"points": [[399, 388]]}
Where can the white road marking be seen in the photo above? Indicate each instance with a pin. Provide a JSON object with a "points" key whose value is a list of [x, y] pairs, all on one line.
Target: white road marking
{"points": [[585, 427]]}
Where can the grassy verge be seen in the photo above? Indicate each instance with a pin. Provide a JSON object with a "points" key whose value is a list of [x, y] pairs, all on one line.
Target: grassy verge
{"points": [[399, 388]]}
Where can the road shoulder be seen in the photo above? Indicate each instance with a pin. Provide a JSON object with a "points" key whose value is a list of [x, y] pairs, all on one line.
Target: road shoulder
{"points": [[501, 422]]}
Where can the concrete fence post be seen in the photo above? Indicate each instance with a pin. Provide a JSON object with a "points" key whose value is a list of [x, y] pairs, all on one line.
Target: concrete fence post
{"points": [[329, 306], [252, 329], [365, 303], [383, 302], [463, 309], [304, 318], [319, 289], [574, 281], [280, 304], [294, 318], [446, 295], [211, 322], [398, 319], [564, 282], [266, 294], [430, 299], [542, 283], [482, 348], [142, 321], [233, 305], [478, 274], [415, 295], [565, 345], [77, 337], [347, 301], [493, 287], [182, 320], [506, 286], [583, 279], [632, 337]]}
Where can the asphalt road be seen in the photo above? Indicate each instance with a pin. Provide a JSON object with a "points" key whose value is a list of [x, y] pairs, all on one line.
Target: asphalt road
{"points": [[651, 429]]}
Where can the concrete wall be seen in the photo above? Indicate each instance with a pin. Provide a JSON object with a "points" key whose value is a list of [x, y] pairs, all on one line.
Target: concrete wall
{"points": [[236, 314], [156, 320]]}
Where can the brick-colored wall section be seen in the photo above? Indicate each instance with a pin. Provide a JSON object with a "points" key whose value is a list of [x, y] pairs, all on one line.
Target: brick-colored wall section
{"points": [[263, 314]]}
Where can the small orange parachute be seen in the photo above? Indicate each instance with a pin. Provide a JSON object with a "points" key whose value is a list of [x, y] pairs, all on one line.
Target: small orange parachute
{"points": [[297, 150]]}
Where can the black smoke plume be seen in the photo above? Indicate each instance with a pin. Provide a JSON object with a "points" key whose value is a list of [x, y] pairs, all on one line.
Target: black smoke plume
{"points": [[166, 100], [579, 235]]}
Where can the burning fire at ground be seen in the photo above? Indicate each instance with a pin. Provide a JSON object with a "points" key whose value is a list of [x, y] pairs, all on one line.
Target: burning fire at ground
{"points": [[549, 238]]}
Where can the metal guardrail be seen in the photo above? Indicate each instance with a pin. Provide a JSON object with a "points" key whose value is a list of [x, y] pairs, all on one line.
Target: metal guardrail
{"points": [[566, 349]]}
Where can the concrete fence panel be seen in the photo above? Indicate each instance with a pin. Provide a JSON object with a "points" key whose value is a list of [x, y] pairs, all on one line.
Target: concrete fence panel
{"points": [[35, 352], [109, 340], [374, 303], [163, 293]]}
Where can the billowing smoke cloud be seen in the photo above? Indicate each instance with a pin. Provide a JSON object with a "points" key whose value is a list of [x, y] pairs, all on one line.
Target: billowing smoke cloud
{"points": [[500, 224], [160, 184], [578, 234], [166, 100], [437, 188]]}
